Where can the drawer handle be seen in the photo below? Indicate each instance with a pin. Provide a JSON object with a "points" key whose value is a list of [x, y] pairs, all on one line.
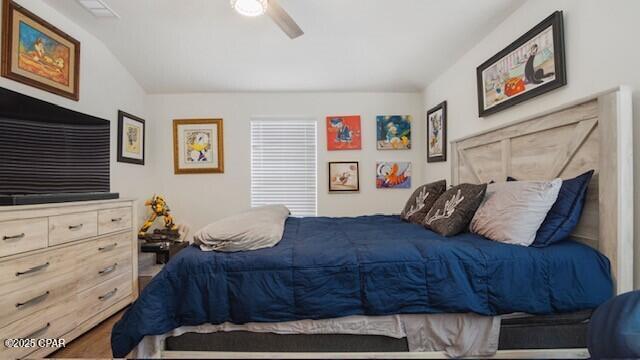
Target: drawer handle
{"points": [[108, 270], [108, 247], [13, 237], [75, 227], [33, 334], [33, 269], [34, 300], [116, 219], [108, 295]]}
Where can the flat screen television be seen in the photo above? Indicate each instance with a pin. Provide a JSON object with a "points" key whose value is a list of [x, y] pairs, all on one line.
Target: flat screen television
{"points": [[51, 154]]}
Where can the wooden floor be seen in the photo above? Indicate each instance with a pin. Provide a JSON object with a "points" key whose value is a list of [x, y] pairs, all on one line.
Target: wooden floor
{"points": [[96, 343]]}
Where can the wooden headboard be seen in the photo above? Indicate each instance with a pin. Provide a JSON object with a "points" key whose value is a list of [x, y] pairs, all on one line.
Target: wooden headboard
{"points": [[593, 133]]}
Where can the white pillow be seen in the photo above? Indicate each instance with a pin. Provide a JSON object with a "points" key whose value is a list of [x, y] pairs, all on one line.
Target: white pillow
{"points": [[513, 211], [253, 229]]}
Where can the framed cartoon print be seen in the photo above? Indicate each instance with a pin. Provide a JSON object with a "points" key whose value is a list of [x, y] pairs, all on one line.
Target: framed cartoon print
{"points": [[131, 138], [437, 133], [344, 133], [198, 146], [344, 176], [38, 54], [530, 66]]}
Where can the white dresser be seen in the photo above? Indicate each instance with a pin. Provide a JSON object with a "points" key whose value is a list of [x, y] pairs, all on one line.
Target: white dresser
{"points": [[63, 269]]}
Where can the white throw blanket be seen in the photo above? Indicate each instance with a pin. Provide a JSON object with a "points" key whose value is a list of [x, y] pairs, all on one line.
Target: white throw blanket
{"points": [[254, 229]]}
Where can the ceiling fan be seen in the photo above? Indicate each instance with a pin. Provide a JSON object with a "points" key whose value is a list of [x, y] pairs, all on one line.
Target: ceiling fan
{"points": [[271, 8]]}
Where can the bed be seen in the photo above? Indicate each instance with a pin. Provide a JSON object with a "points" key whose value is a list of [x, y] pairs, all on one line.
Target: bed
{"points": [[376, 266]]}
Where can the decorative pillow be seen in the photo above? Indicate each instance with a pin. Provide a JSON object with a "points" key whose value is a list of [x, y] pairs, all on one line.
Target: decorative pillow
{"points": [[422, 200], [565, 214], [513, 211], [454, 209]]}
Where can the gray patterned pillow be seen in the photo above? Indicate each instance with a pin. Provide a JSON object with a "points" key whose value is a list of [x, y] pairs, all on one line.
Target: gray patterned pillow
{"points": [[453, 211], [422, 200]]}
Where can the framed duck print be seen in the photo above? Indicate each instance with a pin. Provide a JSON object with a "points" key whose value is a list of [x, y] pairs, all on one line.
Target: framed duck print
{"points": [[131, 138], [393, 132], [198, 146], [344, 176], [344, 133], [393, 175], [530, 66], [437, 133], [38, 54]]}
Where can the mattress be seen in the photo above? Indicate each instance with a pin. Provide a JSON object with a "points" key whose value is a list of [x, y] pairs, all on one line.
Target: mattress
{"points": [[371, 265]]}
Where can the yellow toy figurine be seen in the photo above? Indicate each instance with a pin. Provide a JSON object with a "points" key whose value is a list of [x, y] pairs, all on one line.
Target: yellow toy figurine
{"points": [[159, 208]]}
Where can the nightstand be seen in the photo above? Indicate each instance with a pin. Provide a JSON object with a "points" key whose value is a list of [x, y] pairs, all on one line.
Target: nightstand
{"points": [[151, 260], [163, 250]]}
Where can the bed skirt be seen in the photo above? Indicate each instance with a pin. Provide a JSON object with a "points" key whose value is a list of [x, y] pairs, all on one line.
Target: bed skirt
{"points": [[456, 334], [482, 336]]}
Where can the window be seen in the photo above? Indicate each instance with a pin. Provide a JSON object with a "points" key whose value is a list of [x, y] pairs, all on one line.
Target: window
{"points": [[283, 164]]}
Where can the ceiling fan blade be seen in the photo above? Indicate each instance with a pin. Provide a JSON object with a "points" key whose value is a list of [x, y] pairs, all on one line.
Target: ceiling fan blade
{"points": [[283, 20]]}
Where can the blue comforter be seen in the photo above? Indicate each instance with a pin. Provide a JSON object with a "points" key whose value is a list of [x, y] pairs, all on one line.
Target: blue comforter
{"points": [[371, 265]]}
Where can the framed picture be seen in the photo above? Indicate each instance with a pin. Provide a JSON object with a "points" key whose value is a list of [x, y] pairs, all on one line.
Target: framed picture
{"points": [[393, 175], [131, 138], [344, 176], [38, 54], [532, 65], [198, 146], [344, 133], [437, 133], [393, 132]]}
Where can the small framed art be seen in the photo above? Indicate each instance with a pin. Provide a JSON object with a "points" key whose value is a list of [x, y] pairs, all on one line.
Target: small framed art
{"points": [[344, 133], [131, 138], [393, 132], [393, 175], [344, 176], [437, 133], [198, 146], [38, 54]]}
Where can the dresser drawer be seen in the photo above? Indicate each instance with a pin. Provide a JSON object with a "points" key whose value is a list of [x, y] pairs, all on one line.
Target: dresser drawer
{"points": [[105, 267], [72, 227], [23, 235], [26, 301], [100, 297], [113, 220], [31, 270], [49, 323], [104, 247]]}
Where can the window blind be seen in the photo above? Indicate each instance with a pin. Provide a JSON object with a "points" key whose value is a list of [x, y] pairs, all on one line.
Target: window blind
{"points": [[283, 164]]}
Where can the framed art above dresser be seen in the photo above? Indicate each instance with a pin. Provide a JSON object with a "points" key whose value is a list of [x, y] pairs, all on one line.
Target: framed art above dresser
{"points": [[38, 54], [64, 268]]}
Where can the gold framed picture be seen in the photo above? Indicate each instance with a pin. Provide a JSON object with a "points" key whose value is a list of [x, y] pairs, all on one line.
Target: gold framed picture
{"points": [[38, 54], [198, 146]]}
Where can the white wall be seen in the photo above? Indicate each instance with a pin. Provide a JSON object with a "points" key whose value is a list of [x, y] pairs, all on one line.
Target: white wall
{"points": [[200, 199], [105, 87], [601, 53]]}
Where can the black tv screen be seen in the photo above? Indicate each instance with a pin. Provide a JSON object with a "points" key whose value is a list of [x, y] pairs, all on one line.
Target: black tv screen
{"points": [[47, 149]]}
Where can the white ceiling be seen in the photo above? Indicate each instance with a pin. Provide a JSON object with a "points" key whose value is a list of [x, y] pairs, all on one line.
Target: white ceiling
{"points": [[177, 46]]}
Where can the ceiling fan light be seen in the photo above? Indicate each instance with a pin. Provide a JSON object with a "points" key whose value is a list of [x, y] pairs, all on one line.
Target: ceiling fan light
{"points": [[250, 7]]}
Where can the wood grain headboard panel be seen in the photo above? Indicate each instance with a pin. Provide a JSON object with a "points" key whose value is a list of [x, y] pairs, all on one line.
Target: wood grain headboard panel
{"points": [[566, 142]]}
